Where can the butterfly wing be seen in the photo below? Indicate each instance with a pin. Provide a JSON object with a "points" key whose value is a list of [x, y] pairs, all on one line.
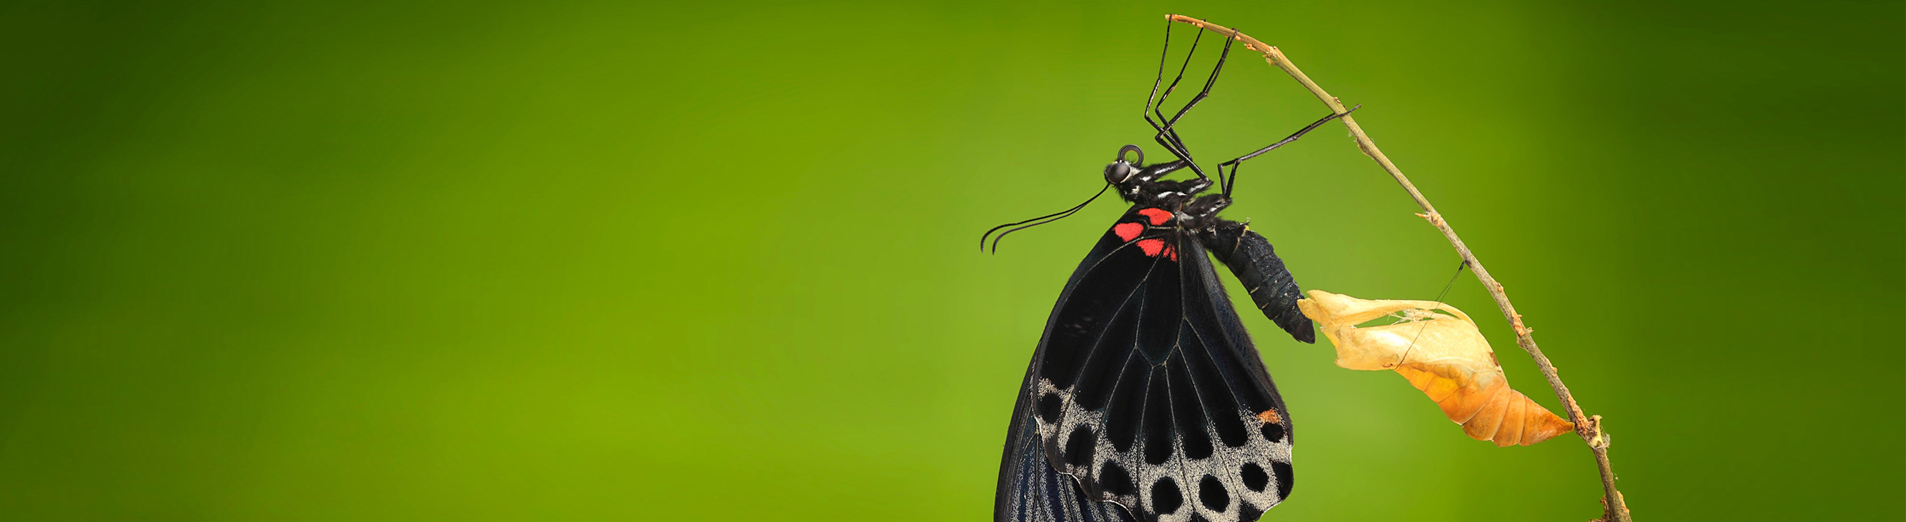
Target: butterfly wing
{"points": [[1030, 490], [1147, 390]]}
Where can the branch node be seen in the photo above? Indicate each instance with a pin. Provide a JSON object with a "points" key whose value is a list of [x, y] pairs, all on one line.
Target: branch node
{"points": [[1596, 439], [1609, 516]]}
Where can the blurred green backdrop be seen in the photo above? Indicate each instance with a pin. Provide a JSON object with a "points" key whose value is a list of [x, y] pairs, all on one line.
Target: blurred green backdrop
{"points": [[715, 261]]}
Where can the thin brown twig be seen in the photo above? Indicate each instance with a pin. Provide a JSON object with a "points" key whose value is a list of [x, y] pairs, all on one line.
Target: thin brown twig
{"points": [[1588, 427]]}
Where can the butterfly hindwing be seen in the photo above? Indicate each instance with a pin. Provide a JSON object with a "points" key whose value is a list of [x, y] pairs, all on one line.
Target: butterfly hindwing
{"points": [[1146, 388], [1030, 490]]}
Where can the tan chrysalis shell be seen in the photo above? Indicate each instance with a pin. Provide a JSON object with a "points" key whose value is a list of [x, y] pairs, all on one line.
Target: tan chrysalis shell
{"points": [[1439, 350]]}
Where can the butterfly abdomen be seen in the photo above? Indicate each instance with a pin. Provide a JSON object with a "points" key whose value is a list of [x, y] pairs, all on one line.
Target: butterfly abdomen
{"points": [[1251, 258]]}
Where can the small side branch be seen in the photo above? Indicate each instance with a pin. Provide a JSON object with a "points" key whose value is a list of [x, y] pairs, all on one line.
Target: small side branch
{"points": [[1588, 427]]}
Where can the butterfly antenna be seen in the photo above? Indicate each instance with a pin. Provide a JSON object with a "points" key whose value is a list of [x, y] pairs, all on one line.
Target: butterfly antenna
{"points": [[1041, 220], [1439, 299]]}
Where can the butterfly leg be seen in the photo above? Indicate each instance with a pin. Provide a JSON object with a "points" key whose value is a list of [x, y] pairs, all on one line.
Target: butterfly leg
{"points": [[1208, 83], [1150, 109], [1227, 183], [1167, 135]]}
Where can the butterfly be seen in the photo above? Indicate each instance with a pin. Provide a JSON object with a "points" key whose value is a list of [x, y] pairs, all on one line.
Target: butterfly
{"points": [[1145, 399]]}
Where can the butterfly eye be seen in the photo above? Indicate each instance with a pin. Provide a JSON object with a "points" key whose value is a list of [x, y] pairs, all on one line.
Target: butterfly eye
{"points": [[1122, 169], [1119, 172]]}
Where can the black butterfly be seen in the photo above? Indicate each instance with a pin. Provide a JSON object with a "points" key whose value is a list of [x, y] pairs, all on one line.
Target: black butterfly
{"points": [[1146, 399]]}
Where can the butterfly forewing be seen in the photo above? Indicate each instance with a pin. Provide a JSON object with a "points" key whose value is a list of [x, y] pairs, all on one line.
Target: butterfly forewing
{"points": [[1146, 388]]}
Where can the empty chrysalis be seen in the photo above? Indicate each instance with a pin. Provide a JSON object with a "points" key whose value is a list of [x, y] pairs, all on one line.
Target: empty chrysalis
{"points": [[1439, 350]]}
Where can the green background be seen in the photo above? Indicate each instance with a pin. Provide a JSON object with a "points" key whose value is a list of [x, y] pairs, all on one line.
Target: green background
{"points": [[716, 260]]}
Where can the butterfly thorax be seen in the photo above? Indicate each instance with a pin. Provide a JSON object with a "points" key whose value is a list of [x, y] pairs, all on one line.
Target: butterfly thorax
{"points": [[1140, 185], [1192, 212]]}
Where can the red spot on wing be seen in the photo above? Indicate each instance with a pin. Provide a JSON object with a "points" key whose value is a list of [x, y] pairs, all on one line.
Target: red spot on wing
{"points": [[1157, 216], [1151, 246], [1128, 231], [1171, 251]]}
